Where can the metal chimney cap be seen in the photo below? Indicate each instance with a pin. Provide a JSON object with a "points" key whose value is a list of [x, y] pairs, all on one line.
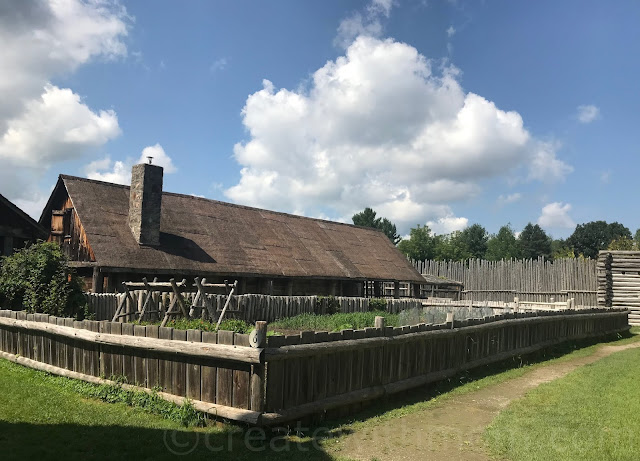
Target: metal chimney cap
{"points": [[150, 158]]}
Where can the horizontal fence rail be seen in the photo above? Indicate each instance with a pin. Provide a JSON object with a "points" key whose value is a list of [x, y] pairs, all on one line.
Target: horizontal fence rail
{"points": [[287, 377], [529, 279]]}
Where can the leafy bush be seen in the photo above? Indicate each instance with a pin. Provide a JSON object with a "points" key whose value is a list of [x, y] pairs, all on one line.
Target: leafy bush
{"points": [[330, 302], [377, 304], [38, 279]]}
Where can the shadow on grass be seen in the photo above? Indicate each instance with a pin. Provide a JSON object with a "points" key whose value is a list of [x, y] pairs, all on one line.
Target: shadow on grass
{"points": [[430, 391], [21, 441]]}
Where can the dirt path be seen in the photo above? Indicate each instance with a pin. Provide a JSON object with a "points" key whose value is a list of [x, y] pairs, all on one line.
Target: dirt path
{"points": [[453, 430]]}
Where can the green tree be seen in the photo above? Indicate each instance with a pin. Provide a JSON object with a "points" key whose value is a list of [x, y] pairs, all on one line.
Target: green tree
{"points": [[594, 236], [367, 218], [534, 242], [636, 237], [452, 247], [421, 245], [475, 237], [623, 243], [560, 249], [38, 279], [503, 245]]}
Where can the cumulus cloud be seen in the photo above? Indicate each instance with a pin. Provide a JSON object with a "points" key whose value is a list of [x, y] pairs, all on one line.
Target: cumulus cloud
{"points": [[556, 215], [545, 166], [368, 23], [451, 31], [588, 113], [509, 198], [447, 225], [40, 123], [119, 171], [379, 127]]}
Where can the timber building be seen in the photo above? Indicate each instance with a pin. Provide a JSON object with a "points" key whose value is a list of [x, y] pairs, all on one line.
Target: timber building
{"points": [[115, 233], [17, 228]]}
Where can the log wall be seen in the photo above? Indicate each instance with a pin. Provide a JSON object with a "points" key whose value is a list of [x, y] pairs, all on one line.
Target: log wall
{"points": [[619, 281], [529, 280]]}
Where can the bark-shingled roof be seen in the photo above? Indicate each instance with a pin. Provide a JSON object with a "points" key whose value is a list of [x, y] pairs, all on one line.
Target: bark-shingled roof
{"points": [[211, 237]]}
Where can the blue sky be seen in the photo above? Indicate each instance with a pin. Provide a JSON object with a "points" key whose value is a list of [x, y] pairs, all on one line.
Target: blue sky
{"points": [[440, 112]]}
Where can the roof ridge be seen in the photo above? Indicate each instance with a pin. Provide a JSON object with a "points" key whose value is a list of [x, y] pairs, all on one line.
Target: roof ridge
{"points": [[236, 205]]}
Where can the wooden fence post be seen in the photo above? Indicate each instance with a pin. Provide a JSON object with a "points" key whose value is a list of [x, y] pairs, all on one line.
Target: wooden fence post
{"points": [[379, 322], [258, 339]]}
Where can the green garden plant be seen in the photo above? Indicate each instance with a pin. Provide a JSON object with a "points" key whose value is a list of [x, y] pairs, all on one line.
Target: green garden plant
{"points": [[38, 279]]}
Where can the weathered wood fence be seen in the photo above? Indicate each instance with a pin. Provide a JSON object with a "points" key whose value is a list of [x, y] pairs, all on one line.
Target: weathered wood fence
{"points": [[619, 281], [250, 308], [529, 280], [293, 376]]}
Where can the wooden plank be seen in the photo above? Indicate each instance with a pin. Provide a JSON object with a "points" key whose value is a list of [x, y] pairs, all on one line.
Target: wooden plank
{"points": [[117, 359], [208, 372], [193, 368], [128, 368], [275, 378], [153, 378], [224, 382], [165, 365], [179, 367], [241, 378], [140, 358]]}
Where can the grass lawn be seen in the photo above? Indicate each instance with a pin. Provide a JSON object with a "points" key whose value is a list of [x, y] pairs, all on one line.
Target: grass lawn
{"points": [[42, 417], [45, 416], [591, 414]]}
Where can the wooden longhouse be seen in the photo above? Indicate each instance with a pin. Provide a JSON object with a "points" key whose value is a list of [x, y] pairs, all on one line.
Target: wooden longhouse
{"points": [[17, 228], [116, 233]]}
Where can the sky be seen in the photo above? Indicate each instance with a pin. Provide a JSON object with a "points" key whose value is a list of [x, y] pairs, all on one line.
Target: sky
{"points": [[445, 113]]}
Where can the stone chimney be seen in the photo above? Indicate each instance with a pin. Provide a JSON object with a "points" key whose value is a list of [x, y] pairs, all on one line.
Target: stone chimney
{"points": [[145, 203]]}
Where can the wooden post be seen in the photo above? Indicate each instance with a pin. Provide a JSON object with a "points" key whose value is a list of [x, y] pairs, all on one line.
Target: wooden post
{"points": [[97, 281], [258, 339], [377, 288], [516, 302], [379, 322], [450, 319], [396, 289]]}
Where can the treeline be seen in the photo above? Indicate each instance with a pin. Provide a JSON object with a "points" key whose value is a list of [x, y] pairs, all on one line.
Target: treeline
{"points": [[530, 243]]}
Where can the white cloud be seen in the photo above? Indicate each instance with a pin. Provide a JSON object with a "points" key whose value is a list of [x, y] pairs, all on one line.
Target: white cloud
{"points": [[605, 177], [56, 127], [509, 198], [379, 127], [588, 113], [545, 166], [119, 172], [217, 65], [447, 225], [159, 158], [556, 215], [368, 23], [451, 31], [40, 123]]}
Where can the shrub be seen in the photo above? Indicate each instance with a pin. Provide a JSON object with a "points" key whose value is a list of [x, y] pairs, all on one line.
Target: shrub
{"points": [[377, 304], [38, 279], [331, 303]]}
